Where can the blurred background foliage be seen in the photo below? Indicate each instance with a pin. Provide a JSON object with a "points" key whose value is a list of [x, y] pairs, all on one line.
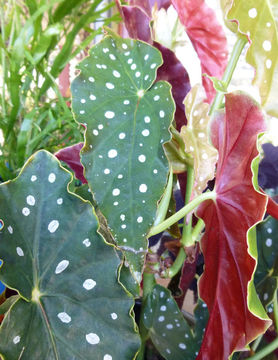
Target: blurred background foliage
{"points": [[38, 40]]}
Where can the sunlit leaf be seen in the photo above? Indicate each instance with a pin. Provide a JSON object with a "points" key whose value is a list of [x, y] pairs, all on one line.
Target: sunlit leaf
{"points": [[258, 19], [196, 139], [127, 118], [229, 251], [207, 37], [71, 304]]}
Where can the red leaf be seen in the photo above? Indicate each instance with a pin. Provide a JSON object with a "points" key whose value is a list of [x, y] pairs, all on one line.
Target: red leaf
{"points": [[71, 156], [238, 206], [207, 37]]}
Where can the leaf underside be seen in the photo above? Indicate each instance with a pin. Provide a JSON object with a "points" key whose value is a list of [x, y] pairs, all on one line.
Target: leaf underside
{"points": [[71, 305], [127, 118], [230, 256]]}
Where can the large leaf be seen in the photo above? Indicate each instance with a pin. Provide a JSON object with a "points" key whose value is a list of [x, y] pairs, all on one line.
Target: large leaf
{"points": [[207, 37], [258, 19], [167, 327], [71, 305], [127, 120], [229, 252]]}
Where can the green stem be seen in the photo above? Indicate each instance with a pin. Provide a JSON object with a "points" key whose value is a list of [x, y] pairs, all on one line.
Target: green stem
{"points": [[2, 22], [175, 268], [148, 284], [257, 343], [187, 224], [182, 212], [265, 351], [237, 50], [197, 229]]}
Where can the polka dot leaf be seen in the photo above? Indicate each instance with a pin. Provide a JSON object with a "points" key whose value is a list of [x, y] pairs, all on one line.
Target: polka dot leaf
{"points": [[71, 305], [127, 117], [266, 276], [196, 139], [168, 330], [258, 19]]}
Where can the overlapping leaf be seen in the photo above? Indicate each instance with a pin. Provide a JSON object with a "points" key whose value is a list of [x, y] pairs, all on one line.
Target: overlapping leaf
{"points": [[71, 304], [71, 156], [230, 255], [196, 140], [127, 120], [266, 277], [207, 37], [167, 327], [137, 19], [258, 19]]}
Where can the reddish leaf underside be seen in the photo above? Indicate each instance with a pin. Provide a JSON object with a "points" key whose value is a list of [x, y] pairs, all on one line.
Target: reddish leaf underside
{"points": [[207, 37], [71, 156], [228, 265], [136, 20]]}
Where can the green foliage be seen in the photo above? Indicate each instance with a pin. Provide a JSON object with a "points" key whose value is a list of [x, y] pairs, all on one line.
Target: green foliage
{"points": [[127, 117], [53, 256], [37, 42]]}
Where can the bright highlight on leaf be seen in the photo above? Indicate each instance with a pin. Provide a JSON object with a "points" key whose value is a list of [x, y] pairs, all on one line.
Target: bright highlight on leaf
{"points": [[258, 19], [230, 254], [196, 139], [64, 272], [123, 155]]}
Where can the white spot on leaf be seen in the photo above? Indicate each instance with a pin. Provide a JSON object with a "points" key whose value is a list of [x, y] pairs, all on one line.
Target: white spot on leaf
{"points": [[143, 188], [16, 340], [86, 242], [142, 158], [114, 316], [33, 178], [116, 192], [53, 226], [19, 251], [51, 178], [112, 153], [64, 317], [61, 266], [252, 13], [89, 284], [92, 338], [25, 211], [109, 114]]}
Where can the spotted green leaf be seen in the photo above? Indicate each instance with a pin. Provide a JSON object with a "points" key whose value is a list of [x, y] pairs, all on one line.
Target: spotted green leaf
{"points": [[258, 19], [127, 117], [196, 139], [266, 276], [167, 327], [71, 305]]}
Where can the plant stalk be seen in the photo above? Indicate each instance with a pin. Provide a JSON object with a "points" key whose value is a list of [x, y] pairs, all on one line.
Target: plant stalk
{"points": [[237, 50], [265, 351], [182, 212], [148, 284], [275, 311], [187, 225]]}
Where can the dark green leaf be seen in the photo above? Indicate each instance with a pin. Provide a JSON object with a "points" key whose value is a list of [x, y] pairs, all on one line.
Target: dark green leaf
{"points": [[71, 306], [127, 119]]}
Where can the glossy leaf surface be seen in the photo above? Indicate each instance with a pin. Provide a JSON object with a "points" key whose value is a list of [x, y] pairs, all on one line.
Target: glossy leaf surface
{"points": [[230, 255], [207, 37], [258, 19], [71, 304], [127, 118], [168, 329], [196, 139]]}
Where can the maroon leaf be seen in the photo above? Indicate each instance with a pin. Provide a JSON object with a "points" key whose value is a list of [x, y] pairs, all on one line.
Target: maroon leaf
{"points": [[207, 37], [229, 266], [136, 20], [71, 156], [272, 208]]}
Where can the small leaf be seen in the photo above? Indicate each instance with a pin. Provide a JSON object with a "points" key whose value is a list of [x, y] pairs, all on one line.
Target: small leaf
{"points": [[196, 140], [229, 251], [71, 156], [258, 19], [71, 303], [127, 118], [167, 327]]}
